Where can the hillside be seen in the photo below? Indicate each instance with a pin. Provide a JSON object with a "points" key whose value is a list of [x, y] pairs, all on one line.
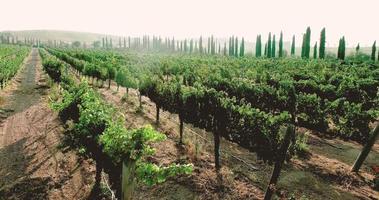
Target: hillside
{"points": [[46, 35]]}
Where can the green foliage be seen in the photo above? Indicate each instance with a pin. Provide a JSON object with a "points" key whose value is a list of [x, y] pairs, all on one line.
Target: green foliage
{"points": [[11, 59], [122, 144], [97, 126], [151, 174]]}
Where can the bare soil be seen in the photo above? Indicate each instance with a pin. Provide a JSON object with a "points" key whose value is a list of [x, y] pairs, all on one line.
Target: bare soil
{"points": [[33, 166]]}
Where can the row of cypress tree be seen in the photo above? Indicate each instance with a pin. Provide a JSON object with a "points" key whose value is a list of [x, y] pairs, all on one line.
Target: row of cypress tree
{"points": [[235, 47], [270, 46]]}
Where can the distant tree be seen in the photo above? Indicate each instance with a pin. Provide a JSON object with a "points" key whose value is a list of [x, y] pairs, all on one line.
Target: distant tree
{"points": [[119, 43], [322, 44], [273, 47], [315, 51], [307, 43], [373, 51], [269, 46], [258, 46], [191, 45], [201, 45], [303, 46], [266, 50], [236, 47], [293, 46], [242, 48], [124, 43], [231, 46], [341, 49], [225, 49], [357, 49], [96, 44], [209, 45], [185, 46], [173, 44], [281, 45], [76, 44], [110, 43]]}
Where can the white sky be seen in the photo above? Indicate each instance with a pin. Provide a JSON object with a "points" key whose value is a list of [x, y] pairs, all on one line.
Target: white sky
{"points": [[356, 20]]}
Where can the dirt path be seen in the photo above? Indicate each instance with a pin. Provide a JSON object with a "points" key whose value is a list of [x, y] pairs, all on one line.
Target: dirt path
{"points": [[32, 166]]}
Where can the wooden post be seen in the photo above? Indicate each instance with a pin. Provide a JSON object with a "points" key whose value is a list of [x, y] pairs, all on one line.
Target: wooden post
{"points": [[290, 132], [157, 117], [181, 125], [366, 150], [216, 137], [140, 99], [128, 179]]}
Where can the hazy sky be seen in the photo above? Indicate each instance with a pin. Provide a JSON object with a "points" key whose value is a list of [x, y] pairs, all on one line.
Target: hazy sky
{"points": [[356, 20]]}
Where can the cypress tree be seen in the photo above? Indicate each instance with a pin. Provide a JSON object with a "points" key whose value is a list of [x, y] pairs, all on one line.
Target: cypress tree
{"points": [[201, 45], [258, 47], [281, 45], [273, 47], [322, 44], [373, 51], [191, 46], [293, 46], [357, 49], [315, 51], [242, 48], [236, 47], [266, 49], [185, 46], [232, 49], [209, 45], [269, 46], [229, 45], [173, 44], [303, 47], [307, 42], [341, 49], [225, 48]]}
